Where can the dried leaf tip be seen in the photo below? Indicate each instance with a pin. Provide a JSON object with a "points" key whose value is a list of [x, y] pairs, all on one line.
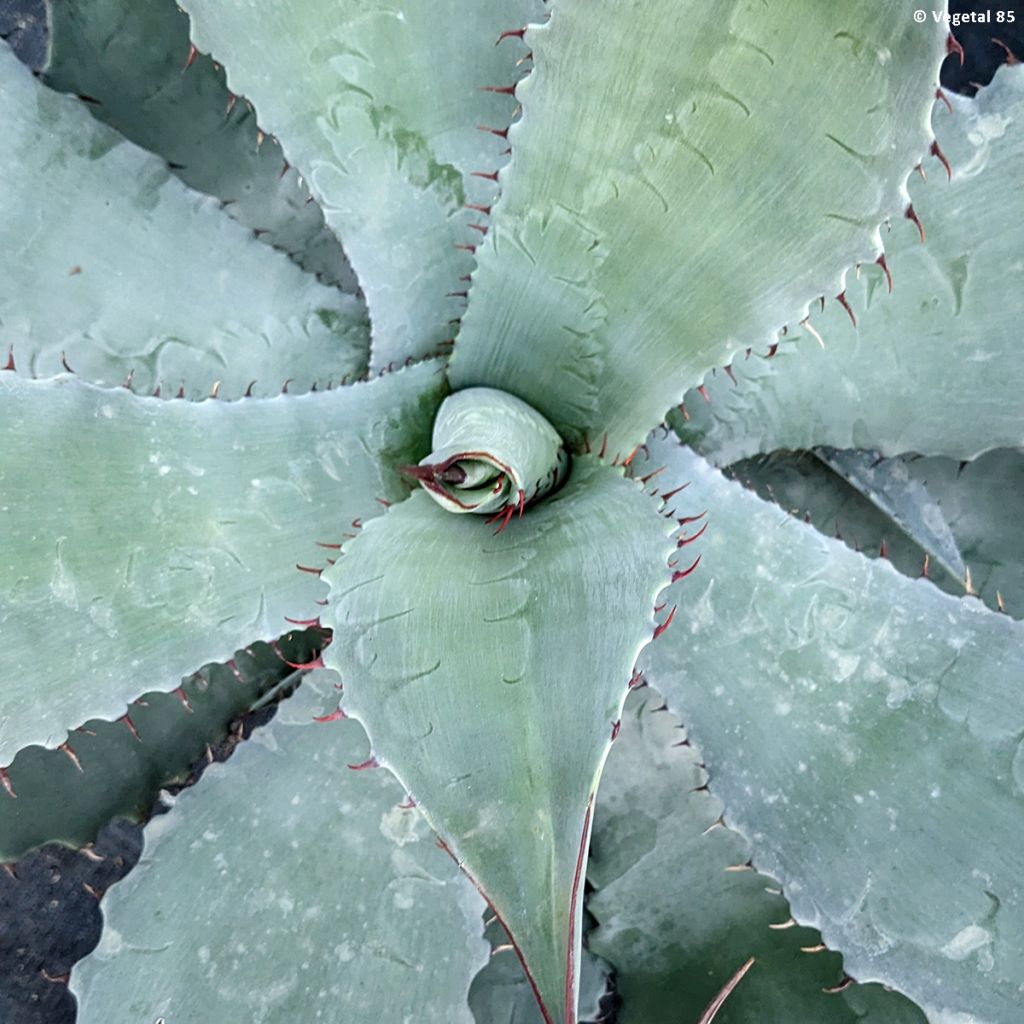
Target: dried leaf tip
{"points": [[716, 1004]]}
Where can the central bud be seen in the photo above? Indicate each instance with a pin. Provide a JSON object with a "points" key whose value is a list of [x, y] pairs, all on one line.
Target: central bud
{"points": [[493, 455]]}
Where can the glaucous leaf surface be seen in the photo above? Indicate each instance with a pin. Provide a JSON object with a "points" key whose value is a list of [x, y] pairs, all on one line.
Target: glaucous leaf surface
{"points": [[378, 105], [809, 489], [682, 205], [112, 267], [116, 770], [283, 887], [679, 909], [149, 537], [981, 503], [490, 670], [133, 59], [501, 993], [864, 732], [935, 367], [903, 499], [974, 502]]}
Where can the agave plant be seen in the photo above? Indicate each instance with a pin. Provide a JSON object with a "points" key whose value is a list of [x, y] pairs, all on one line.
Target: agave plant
{"points": [[412, 483]]}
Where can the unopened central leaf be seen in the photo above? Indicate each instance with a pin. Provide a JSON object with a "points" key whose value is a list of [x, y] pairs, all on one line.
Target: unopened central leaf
{"points": [[492, 453]]}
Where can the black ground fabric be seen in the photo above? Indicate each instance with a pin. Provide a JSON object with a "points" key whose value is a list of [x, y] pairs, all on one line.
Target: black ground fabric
{"points": [[23, 25]]}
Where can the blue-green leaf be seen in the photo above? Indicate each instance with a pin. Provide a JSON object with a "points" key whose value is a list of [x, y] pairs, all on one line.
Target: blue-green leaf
{"points": [[380, 105], [864, 732], [143, 538], [117, 271], [935, 367], [490, 670], [685, 179]]}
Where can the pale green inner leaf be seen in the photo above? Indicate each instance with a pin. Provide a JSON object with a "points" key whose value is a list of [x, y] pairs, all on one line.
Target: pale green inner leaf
{"points": [[489, 671], [491, 453], [684, 205], [150, 537]]}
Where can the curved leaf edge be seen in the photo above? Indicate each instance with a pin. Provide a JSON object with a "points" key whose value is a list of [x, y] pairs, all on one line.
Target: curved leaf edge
{"points": [[377, 760], [792, 343], [117, 709], [802, 317], [296, 652], [649, 701], [191, 61]]}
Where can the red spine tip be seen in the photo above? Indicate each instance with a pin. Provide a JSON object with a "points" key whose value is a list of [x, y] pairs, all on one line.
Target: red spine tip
{"points": [[511, 33], [1011, 57], [303, 666], [881, 261], [683, 573], [936, 151], [65, 748], [911, 215], [953, 46], [683, 541], [662, 626], [841, 299], [334, 716], [304, 622]]}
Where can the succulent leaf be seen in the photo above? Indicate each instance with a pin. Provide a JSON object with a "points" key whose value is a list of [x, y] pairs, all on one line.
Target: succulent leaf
{"points": [[904, 499], [149, 537], [935, 367], [490, 671], [863, 730], [679, 910], [980, 501], [501, 994], [132, 58], [910, 510], [117, 271], [374, 917], [116, 769], [683, 206], [380, 106]]}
